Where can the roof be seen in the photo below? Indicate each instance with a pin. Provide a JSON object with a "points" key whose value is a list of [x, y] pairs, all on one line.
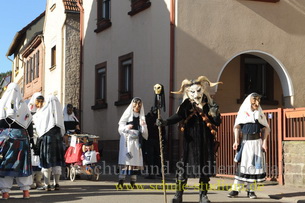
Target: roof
{"points": [[20, 34], [71, 5]]}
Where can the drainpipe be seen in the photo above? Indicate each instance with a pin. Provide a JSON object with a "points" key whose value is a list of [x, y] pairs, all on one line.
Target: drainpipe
{"points": [[62, 61], [172, 71], [42, 62], [81, 36], [23, 65]]}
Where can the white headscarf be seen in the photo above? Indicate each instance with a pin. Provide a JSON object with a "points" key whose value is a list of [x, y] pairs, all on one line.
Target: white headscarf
{"points": [[31, 104], [246, 115], [128, 116], [68, 117], [49, 116], [12, 106]]}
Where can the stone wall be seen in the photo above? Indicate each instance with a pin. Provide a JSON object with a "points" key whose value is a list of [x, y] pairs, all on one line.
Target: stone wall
{"points": [[294, 163], [72, 60]]}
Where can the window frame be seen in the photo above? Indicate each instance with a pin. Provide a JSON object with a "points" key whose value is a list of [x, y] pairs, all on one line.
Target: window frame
{"points": [[102, 22], [100, 103], [138, 5], [37, 64], [268, 98], [53, 57], [125, 97]]}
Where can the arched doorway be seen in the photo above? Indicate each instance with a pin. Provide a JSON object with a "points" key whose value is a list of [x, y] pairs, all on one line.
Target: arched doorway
{"points": [[269, 74]]}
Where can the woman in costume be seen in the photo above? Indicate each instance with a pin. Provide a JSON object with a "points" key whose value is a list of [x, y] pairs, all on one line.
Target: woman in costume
{"points": [[15, 129], [132, 127], [35, 104], [252, 123], [200, 115], [50, 128]]}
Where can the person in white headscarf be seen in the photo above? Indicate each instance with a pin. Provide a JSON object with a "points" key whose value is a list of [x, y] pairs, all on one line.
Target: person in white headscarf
{"points": [[251, 122], [132, 127], [34, 105], [15, 130], [50, 128], [71, 123], [36, 102]]}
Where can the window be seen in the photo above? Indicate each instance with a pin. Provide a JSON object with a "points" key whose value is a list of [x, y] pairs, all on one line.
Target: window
{"points": [[125, 79], [34, 67], [257, 76], [100, 86], [103, 15], [31, 70], [53, 57], [27, 72], [37, 64], [138, 6]]}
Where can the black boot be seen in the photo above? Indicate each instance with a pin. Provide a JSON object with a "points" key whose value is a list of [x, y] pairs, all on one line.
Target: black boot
{"points": [[203, 197], [120, 184], [180, 185], [178, 197]]}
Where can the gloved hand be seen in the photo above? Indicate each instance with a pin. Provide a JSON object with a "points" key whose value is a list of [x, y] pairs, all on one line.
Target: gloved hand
{"points": [[160, 122], [214, 110]]}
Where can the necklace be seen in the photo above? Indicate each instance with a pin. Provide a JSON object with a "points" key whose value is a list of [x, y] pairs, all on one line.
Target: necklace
{"points": [[9, 124]]}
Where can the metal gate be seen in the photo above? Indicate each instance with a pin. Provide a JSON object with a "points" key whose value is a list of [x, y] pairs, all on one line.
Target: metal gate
{"points": [[224, 161]]}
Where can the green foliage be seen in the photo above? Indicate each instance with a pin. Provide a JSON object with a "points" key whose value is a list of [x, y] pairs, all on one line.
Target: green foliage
{"points": [[2, 75]]}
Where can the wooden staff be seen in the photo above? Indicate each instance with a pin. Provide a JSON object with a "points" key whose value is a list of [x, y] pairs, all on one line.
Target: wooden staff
{"points": [[162, 157], [158, 105]]}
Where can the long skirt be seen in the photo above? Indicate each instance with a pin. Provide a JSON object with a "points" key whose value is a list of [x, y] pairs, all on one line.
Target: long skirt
{"points": [[51, 149], [252, 167], [15, 155]]}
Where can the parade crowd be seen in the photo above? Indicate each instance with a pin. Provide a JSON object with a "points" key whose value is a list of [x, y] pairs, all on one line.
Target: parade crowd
{"points": [[33, 140]]}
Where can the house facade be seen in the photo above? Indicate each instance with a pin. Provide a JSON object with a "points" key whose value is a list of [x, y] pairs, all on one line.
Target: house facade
{"points": [[27, 48], [251, 46], [62, 51], [126, 51]]}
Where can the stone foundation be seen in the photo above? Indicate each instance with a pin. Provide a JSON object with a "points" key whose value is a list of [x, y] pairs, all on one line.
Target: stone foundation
{"points": [[294, 163]]}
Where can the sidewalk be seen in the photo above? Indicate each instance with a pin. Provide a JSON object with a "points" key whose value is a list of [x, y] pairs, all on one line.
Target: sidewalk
{"points": [[150, 191]]}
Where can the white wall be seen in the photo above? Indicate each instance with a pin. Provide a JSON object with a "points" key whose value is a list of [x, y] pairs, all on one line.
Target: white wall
{"points": [[146, 34], [53, 35]]}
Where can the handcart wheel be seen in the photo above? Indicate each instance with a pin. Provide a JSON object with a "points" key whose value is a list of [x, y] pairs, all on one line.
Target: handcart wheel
{"points": [[72, 173]]}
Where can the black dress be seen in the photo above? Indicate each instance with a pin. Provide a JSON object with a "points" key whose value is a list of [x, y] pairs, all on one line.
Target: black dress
{"points": [[198, 158]]}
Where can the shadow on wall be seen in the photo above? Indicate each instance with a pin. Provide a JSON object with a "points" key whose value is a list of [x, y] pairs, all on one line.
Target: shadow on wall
{"points": [[295, 9]]}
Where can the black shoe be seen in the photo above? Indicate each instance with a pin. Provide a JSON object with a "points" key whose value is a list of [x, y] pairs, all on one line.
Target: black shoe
{"points": [[204, 199], [178, 197], [121, 184], [56, 187], [233, 194], [133, 184], [252, 195]]}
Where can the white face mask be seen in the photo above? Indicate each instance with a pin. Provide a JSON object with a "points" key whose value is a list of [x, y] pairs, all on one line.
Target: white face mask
{"points": [[195, 93]]}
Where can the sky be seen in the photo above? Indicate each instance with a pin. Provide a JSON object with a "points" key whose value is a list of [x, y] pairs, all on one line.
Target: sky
{"points": [[15, 15]]}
